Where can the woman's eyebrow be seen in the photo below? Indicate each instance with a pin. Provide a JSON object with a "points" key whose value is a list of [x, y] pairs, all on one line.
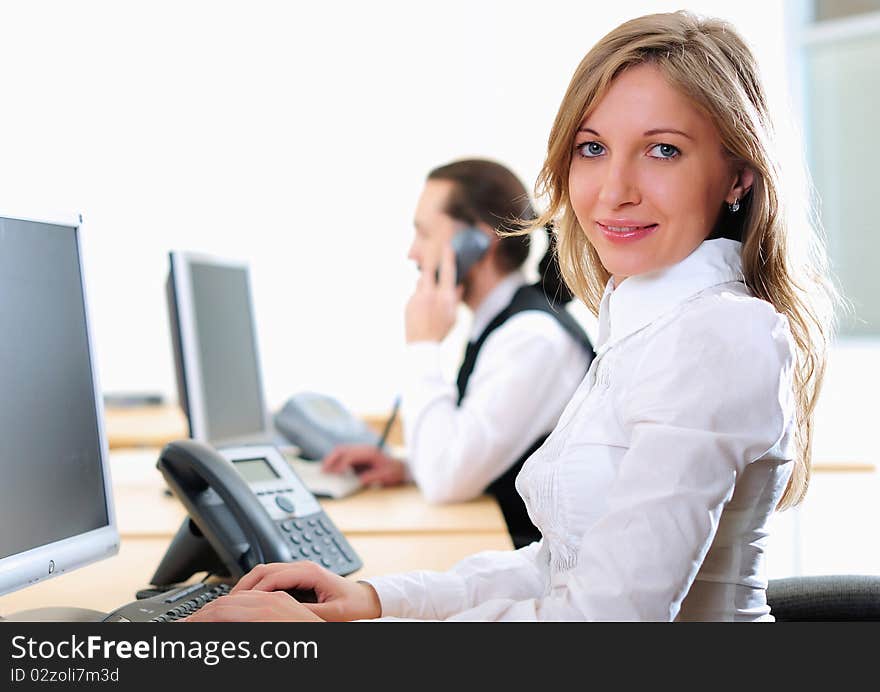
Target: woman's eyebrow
{"points": [[647, 133], [666, 130]]}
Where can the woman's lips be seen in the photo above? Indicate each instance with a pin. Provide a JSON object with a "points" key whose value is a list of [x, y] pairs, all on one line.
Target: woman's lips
{"points": [[626, 234]]}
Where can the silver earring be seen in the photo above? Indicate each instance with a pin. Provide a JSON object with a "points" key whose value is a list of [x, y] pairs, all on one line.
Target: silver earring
{"points": [[735, 206]]}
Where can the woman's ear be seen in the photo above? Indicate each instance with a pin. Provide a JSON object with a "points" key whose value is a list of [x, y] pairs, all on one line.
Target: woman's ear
{"points": [[741, 186]]}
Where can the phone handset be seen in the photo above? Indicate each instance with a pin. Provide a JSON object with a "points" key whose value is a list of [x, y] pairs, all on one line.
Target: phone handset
{"points": [[222, 506], [469, 245]]}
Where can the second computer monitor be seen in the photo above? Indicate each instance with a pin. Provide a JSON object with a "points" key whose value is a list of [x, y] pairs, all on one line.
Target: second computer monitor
{"points": [[215, 349]]}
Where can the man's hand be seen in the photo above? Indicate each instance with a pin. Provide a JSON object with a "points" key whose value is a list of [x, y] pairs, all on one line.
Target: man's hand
{"points": [[369, 463], [431, 310]]}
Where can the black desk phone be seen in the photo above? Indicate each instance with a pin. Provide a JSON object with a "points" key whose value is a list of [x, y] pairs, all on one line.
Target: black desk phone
{"points": [[246, 507]]}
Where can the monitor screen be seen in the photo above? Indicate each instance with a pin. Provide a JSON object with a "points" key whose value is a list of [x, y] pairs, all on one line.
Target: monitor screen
{"points": [[216, 329], [52, 484]]}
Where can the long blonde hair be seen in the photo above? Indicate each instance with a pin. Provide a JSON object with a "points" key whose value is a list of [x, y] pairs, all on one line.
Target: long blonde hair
{"points": [[708, 62]]}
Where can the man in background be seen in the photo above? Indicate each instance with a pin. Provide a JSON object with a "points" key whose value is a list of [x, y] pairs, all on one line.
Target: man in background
{"points": [[525, 357]]}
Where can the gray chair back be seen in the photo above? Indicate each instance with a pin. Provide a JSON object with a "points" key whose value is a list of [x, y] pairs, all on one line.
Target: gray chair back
{"points": [[847, 597]]}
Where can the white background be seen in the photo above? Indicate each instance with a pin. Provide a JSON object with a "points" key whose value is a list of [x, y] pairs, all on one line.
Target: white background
{"points": [[293, 135]]}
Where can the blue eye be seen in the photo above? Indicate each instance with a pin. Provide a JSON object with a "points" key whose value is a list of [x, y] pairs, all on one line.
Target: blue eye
{"points": [[664, 151], [590, 150]]}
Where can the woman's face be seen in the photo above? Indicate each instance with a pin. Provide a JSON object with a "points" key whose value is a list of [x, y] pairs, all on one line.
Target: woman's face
{"points": [[649, 175]]}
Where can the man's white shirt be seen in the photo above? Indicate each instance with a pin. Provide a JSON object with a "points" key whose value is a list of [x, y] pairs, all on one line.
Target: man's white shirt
{"points": [[525, 374]]}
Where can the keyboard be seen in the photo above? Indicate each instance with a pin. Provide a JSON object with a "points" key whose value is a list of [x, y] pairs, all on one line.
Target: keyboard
{"points": [[178, 602], [171, 605], [321, 484]]}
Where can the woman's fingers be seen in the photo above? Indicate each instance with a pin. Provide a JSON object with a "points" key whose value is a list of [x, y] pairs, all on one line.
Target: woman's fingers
{"points": [[294, 572]]}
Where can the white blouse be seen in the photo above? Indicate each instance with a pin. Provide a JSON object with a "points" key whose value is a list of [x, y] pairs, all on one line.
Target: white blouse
{"points": [[525, 374], [654, 491]]}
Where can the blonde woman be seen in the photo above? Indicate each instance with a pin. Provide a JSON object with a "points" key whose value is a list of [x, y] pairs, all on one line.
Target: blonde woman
{"points": [[654, 492]]}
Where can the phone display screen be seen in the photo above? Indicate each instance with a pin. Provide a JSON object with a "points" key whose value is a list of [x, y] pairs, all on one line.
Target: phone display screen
{"points": [[254, 470]]}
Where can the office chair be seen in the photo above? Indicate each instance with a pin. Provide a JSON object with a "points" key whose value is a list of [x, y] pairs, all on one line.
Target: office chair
{"points": [[847, 597]]}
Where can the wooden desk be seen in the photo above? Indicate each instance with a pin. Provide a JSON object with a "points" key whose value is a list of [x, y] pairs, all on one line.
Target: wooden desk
{"points": [[144, 426], [143, 510], [392, 529], [154, 426], [108, 584], [829, 466]]}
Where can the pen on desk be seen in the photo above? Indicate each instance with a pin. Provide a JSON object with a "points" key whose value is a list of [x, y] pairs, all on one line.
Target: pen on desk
{"points": [[387, 429]]}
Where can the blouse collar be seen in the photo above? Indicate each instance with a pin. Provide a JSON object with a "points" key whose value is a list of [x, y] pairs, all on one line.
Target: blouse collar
{"points": [[643, 298]]}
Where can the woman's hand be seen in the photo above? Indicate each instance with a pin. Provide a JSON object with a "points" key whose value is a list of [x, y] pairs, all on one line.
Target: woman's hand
{"points": [[260, 596], [339, 599], [254, 606], [431, 310]]}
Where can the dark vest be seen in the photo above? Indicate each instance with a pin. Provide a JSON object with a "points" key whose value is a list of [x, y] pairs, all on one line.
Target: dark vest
{"points": [[521, 528]]}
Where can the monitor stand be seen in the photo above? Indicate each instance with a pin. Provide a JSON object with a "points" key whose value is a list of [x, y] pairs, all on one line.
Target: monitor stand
{"points": [[56, 615]]}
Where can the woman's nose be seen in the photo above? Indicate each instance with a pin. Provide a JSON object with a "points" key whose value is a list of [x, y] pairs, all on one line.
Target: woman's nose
{"points": [[619, 185]]}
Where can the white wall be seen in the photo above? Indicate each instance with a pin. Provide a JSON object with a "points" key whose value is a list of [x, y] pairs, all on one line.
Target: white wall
{"points": [[295, 135]]}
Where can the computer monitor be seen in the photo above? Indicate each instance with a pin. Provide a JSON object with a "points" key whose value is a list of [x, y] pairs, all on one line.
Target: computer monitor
{"points": [[214, 341], [56, 502], [216, 357]]}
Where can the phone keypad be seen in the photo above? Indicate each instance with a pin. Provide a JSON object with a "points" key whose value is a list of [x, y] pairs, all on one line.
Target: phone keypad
{"points": [[314, 538]]}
